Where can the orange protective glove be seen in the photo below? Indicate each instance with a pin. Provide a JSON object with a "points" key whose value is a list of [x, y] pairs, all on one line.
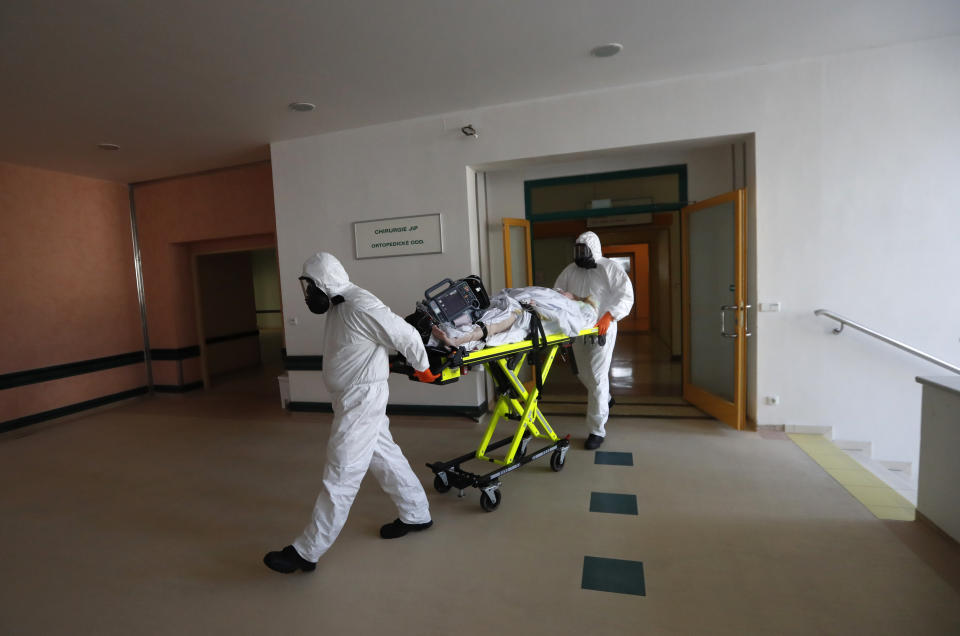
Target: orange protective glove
{"points": [[604, 323], [426, 376]]}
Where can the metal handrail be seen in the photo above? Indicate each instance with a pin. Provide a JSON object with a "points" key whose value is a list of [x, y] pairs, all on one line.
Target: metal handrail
{"points": [[879, 336]]}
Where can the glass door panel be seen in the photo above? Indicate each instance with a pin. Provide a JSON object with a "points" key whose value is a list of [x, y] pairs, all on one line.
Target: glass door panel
{"points": [[714, 309], [712, 276]]}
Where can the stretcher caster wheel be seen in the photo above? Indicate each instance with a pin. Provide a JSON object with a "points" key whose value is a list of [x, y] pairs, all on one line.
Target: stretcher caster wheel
{"points": [[440, 485], [557, 461], [490, 504]]}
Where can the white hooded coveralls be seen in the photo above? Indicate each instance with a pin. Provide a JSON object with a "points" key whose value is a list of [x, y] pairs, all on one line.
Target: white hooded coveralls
{"points": [[611, 288], [359, 334]]}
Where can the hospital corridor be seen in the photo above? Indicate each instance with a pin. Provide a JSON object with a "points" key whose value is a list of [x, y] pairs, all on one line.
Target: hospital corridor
{"points": [[452, 318], [151, 518]]}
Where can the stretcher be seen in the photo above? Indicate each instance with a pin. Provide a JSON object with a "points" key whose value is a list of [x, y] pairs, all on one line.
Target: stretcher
{"points": [[515, 402]]}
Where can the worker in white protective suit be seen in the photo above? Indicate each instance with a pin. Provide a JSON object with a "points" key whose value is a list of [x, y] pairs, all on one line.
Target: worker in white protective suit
{"points": [[591, 274], [360, 331]]}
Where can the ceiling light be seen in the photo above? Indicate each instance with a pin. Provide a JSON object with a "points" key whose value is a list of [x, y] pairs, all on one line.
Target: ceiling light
{"points": [[606, 50], [108, 146], [302, 107]]}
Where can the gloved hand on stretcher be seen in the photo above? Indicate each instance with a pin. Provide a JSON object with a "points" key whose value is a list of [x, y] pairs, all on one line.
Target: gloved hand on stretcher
{"points": [[604, 323], [426, 376]]}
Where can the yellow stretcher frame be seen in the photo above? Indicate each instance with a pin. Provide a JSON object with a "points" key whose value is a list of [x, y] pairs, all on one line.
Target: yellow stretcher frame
{"points": [[515, 402]]}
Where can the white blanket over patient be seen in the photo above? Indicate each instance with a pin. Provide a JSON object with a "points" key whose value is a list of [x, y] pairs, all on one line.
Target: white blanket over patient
{"points": [[557, 313]]}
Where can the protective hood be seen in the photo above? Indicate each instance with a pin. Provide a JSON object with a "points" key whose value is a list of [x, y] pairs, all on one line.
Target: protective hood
{"points": [[592, 241], [327, 272]]}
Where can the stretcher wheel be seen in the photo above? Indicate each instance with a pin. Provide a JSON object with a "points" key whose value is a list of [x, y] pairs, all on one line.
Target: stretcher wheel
{"points": [[557, 461], [439, 485], [490, 504]]}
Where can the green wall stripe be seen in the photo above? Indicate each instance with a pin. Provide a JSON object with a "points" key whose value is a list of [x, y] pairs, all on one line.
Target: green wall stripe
{"points": [[45, 374], [398, 409], [617, 175], [233, 336], [566, 215], [302, 363], [193, 351], [183, 353], [59, 371]]}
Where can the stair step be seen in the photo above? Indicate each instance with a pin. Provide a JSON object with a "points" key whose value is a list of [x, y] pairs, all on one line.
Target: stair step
{"points": [[899, 480]]}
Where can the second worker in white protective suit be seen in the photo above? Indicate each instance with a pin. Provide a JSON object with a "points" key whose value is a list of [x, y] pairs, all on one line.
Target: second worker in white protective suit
{"points": [[360, 332], [593, 275]]}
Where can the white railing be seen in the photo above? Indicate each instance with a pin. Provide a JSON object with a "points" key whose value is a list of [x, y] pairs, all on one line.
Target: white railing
{"points": [[879, 336]]}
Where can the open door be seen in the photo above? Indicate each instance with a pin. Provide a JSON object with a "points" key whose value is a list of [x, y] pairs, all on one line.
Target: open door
{"points": [[517, 260], [714, 306]]}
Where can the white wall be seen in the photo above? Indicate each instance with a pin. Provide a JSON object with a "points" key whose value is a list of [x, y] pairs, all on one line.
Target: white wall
{"points": [[855, 211]]}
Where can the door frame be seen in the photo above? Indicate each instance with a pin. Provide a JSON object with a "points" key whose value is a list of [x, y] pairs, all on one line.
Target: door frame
{"points": [[507, 254], [731, 413]]}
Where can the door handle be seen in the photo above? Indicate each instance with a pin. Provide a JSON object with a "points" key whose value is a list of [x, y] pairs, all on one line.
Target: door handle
{"points": [[723, 320], [746, 323]]}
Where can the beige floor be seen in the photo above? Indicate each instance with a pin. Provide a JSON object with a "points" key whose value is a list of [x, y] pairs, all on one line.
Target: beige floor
{"points": [[153, 517]]}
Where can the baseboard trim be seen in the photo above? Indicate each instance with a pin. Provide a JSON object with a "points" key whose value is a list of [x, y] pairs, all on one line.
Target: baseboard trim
{"points": [[178, 388], [803, 429], [924, 519], [70, 409]]}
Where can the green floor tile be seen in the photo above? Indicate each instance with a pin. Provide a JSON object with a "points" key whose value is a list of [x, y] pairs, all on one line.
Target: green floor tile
{"points": [[613, 575], [614, 458], [612, 502]]}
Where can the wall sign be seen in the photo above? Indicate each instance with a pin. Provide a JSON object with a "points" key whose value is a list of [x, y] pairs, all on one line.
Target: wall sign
{"points": [[400, 236]]}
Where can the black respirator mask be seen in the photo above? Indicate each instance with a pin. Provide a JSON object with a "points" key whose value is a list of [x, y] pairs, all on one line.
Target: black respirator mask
{"points": [[317, 301], [583, 257]]}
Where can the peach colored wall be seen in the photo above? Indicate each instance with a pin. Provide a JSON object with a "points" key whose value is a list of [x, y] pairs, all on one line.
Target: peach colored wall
{"points": [[176, 218], [167, 372], [68, 282]]}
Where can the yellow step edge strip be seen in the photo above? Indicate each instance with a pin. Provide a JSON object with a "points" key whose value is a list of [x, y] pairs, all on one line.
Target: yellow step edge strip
{"points": [[879, 498]]}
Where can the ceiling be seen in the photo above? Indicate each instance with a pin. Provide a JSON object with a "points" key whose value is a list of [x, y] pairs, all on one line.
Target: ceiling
{"points": [[183, 86]]}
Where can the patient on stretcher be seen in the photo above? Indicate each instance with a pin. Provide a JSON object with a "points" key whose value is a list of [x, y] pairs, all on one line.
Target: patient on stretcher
{"points": [[507, 321]]}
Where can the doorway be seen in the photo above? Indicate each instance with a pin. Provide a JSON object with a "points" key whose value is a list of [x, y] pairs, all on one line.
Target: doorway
{"points": [[643, 365], [634, 259], [565, 195], [634, 214], [238, 319]]}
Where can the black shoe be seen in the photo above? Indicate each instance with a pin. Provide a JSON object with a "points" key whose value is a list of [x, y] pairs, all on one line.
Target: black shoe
{"points": [[288, 560], [397, 528], [593, 441]]}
